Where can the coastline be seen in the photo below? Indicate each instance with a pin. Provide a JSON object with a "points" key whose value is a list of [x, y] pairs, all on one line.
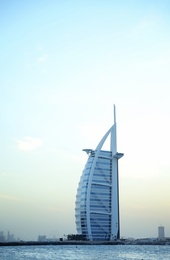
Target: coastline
{"points": [[74, 242]]}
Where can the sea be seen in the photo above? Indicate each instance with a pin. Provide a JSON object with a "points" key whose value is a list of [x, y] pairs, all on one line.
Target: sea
{"points": [[83, 252]]}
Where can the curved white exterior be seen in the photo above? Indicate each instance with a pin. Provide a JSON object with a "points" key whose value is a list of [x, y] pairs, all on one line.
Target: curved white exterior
{"points": [[97, 200]]}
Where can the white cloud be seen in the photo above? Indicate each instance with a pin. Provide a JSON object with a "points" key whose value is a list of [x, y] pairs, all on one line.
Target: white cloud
{"points": [[54, 209], [43, 58], [146, 25], [4, 174], [10, 197], [29, 143], [31, 203]]}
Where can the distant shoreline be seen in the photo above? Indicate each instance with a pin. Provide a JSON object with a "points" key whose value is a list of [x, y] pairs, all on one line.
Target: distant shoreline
{"points": [[76, 243]]}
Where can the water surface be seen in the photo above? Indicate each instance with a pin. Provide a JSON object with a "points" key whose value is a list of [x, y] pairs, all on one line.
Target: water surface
{"points": [[83, 252]]}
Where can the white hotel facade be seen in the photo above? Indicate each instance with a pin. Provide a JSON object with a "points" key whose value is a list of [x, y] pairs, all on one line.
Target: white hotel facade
{"points": [[97, 199]]}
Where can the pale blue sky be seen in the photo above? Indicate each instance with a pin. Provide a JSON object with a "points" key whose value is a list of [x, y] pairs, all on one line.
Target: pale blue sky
{"points": [[63, 65]]}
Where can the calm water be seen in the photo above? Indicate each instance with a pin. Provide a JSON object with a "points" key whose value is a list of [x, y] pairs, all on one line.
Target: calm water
{"points": [[85, 252]]}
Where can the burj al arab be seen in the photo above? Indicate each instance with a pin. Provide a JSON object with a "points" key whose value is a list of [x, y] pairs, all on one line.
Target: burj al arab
{"points": [[97, 199]]}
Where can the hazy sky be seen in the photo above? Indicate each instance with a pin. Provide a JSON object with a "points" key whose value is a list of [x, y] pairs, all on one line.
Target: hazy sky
{"points": [[63, 64]]}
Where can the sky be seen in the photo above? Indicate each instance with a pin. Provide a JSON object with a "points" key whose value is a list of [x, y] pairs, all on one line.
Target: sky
{"points": [[63, 64]]}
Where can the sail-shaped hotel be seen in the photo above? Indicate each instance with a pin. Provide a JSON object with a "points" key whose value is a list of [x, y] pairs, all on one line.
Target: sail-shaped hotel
{"points": [[97, 199]]}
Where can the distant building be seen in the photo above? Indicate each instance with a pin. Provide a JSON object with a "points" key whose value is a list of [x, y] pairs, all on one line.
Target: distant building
{"points": [[46, 239], [10, 237], [2, 237], [42, 238], [97, 200], [161, 233]]}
